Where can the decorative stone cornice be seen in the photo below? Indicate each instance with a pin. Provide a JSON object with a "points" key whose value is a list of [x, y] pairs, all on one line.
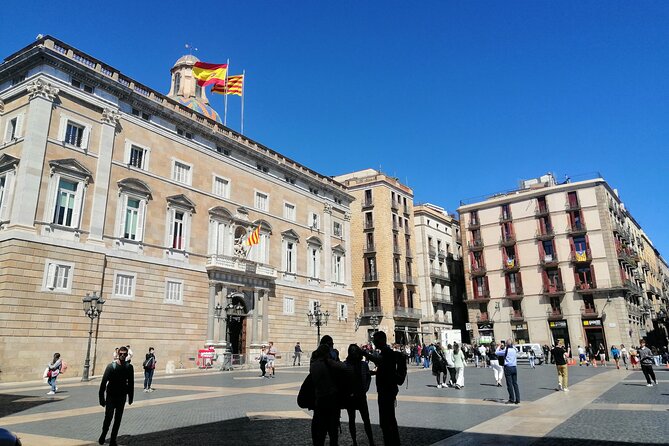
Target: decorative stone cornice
{"points": [[327, 208], [110, 116], [347, 216], [41, 89]]}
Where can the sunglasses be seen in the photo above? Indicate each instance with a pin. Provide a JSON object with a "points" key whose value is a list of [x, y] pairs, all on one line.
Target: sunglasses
{"points": [[123, 354]]}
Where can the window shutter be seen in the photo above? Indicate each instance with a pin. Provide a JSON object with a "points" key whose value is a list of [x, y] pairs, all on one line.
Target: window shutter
{"points": [[214, 234], [51, 276], [170, 229], [85, 137], [6, 196], [126, 153], [62, 129], [185, 233], [19, 126], [140, 220], [52, 197], [78, 204], [8, 131], [122, 214]]}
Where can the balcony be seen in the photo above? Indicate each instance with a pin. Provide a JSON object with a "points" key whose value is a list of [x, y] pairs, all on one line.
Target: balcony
{"points": [[505, 217], [367, 203], [581, 287], [399, 278], [554, 314], [370, 247], [481, 296], [515, 293], [441, 298], [589, 312], [549, 261], [396, 226], [395, 206], [371, 277], [408, 254], [541, 211], [516, 316], [475, 245], [483, 317], [581, 256], [407, 229], [439, 274], [474, 224], [545, 234], [511, 266], [397, 249], [410, 280], [442, 254], [507, 240], [238, 265], [572, 206], [432, 251], [640, 277], [372, 311], [406, 313], [628, 256], [368, 224], [577, 229], [477, 271], [407, 210], [632, 287], [553, 289]]}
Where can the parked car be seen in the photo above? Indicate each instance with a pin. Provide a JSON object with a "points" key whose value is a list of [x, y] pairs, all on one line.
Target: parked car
{"points": [[523, 352]]}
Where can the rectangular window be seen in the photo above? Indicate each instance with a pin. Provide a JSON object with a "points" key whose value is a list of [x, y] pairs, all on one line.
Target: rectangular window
{"points": [[137, 157], [314, 221], [338, 276], [141, 114], [290, 257], [181, 173], [289, 211], [288, 305], [313, 262], [67, 191], [74, 134], [124, 285], [131, 219], [178, 241], [221, 187], [342, 311], [3, 194], [12, 127], [261, 201], [336, 229], [58, 276], [173, 292]]}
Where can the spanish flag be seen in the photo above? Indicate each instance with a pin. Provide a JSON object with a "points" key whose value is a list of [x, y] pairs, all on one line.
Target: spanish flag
{"points": [[235, 85], [254, 238], [207, 73]]}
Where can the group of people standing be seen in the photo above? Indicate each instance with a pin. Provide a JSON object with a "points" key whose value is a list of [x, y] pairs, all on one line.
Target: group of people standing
{"points": [[448, 366]]}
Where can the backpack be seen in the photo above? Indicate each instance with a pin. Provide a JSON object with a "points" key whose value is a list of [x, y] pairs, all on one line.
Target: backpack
{"points": [[306, 398], [400, 368]]}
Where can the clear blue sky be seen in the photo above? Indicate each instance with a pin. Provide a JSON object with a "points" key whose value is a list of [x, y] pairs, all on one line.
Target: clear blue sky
{"points": [[457, 99]]}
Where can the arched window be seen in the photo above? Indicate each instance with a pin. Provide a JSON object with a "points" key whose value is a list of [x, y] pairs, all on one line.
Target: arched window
{"points": [[177, 83]]}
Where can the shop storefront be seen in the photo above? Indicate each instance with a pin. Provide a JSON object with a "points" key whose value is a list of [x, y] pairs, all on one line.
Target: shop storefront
{"points": [[520, 333], [559, 332], [486, 333], [594, 333]]}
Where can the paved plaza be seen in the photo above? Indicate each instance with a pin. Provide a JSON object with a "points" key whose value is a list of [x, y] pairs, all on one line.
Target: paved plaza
{"points": [[604, 406]]}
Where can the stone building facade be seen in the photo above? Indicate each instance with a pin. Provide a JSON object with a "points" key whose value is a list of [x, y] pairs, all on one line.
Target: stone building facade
{"points": [[556, 261], [108, 186]]}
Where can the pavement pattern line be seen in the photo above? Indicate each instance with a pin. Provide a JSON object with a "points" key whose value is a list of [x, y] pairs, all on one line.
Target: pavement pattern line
{"points": [[43, 440], [635, 407], [282, 415], [545, 414]]}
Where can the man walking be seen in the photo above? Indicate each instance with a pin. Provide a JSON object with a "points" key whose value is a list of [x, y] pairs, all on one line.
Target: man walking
{"points": [[271, 357], [560, 356], [646, 359], [149, 367], [117, 384], [386, 386], [510, 371], [298, 354]]}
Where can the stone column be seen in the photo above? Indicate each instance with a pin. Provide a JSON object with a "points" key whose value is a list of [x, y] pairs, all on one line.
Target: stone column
{"points": [[254, 319], [29, 175], [110, 118], [223, 323], [210, 313], [264, 337]]}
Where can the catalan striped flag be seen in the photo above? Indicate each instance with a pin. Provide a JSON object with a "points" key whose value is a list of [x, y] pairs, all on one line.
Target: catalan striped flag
{"points": [[254, 238], [207, 73], [235, 85]]}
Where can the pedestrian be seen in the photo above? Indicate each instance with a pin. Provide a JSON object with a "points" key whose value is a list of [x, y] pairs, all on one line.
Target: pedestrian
{"points": [[149, 366], [361, 380], [646, 359], [615, 354], [271, 357], [53, 370], [560, 356], [326, 372], [591, 355], [581, 356], [601, 353], [439, 365], [624, 355], [450, 365], [634, 357], [419, 352], [387, 387], [459, 362], [510, 370], [482, 355], [496, 364], [130, 354], [116, 385], [262, 361], [298, 354], [531, 357], [427, 351]]}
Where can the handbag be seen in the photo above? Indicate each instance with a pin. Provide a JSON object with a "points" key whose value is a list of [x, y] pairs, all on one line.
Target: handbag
{"points": [[306, 397]]}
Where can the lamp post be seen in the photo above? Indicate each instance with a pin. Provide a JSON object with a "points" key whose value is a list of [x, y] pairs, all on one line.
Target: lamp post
{"points": [[374, 322], [92, 308], [317, 317]]}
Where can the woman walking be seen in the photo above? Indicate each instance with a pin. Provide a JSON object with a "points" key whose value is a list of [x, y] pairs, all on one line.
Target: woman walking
{"points": [[439, 365], [263, 362], [459, 363], [601, 353], [624, 355], [450, 366], [53, 371], [497, 368], [362, 377], [634, 357], [615, 354]]}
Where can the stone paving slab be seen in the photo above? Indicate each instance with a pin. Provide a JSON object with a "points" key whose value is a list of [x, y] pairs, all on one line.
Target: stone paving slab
{"points": [[636, 393]]}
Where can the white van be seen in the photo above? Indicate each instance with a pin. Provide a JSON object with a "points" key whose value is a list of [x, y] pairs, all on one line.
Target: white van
{"points": [[523, 352]]}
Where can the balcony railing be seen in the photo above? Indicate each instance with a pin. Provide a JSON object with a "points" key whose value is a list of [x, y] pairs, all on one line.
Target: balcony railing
{"points": [[432, 251], [483, 317], [481, 295], [369, 225], [367, 203], [441, 253], [397, 277], [475, 244], [410, 280], [439, 273], [407, 313], [240, 265], [577, 229], [397, 249], [511, 265], [640, 277], [516, 315], [588, 312], [553, 289], [545, 234], [585, 286], [633, 287], [515, 293], [394, 205], [554, 313], [371, 277], [396, 226], [407, 210], [549, 261], [505, 217], [507, 240], [474, 224], [370, 247], [407, 229], [478, 270], [441, 298], [581, 256], [572, 206], [408, 253], [541, 211], [372, 311]]}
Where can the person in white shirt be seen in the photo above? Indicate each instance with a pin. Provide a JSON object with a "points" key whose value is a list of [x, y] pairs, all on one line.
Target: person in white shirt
{"points": [[483, 351]]}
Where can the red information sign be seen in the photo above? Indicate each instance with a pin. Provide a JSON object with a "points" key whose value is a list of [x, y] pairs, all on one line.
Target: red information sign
{"points": [[205, 357]]}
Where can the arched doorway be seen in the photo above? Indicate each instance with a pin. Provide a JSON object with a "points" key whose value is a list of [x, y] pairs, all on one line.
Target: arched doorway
{"points": [[236, 314]]}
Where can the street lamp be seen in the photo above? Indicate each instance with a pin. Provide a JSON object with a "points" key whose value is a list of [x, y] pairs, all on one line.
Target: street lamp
{"points": [[317, 317], [92, 308], [218, 310], [374, 322]]}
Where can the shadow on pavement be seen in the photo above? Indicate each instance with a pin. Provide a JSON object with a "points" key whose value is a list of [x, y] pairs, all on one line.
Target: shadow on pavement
{"points": [[11, 404]]}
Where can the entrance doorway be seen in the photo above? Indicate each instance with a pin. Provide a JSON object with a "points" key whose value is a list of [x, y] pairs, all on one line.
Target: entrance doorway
{"points": [[595, 336], [560, 331], [237, 334]]}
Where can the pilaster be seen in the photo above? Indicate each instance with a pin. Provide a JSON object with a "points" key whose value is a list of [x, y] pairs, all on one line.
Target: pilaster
{"points": [[327, 243], [210, 313]]}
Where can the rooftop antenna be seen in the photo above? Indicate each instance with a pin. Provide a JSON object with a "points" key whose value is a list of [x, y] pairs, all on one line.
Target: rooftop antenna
{"points": [[190, 48]]}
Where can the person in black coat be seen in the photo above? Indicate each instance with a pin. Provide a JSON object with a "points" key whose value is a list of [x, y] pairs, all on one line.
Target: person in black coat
{"points": [[439, 365], [116, 386], [361, 379]]}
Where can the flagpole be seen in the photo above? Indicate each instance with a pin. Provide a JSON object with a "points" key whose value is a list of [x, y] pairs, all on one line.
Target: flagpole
{"points": [[225, 112], [243, 88]]}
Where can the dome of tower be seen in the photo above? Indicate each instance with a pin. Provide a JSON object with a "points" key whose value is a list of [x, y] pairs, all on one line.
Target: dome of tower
{"points": [[187, 59]]}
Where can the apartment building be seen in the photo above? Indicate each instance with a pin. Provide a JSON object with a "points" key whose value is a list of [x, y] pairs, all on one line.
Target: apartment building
{"points": [[109, 186], [384, 276], [440, 277], [553, 261]]}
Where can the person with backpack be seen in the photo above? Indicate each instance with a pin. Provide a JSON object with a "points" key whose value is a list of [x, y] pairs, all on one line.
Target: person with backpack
{"points": [[439, 365], [116, 385], [149, 366], [53, 370], [362, 377], [390, 373]]}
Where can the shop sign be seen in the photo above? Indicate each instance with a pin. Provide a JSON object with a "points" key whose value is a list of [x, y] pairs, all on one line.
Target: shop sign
{"points": [[558, 324], [485, 326], [521, 327], [485, 339], [592, 323]]}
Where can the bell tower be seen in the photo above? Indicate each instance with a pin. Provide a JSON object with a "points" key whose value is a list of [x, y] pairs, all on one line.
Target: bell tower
{"points": [[184, 85]]}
